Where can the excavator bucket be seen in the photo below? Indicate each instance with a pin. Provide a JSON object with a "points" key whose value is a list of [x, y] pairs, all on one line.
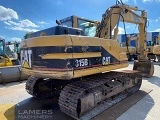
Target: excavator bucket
{"points": [[146, 68]]}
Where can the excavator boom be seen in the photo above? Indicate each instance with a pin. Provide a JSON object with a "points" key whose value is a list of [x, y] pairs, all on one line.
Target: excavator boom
{"points": [[125, 13]]}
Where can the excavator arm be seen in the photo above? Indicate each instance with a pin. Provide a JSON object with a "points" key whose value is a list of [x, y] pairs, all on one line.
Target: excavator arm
{"points": [[125, 13], [115, 14]]}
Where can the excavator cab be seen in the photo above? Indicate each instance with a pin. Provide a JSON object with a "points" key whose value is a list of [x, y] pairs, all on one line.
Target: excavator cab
{"points": [[87, 26], [150, 43], [12, 52], [4, 58], [2, 45], [17, 47], [149, 47]]}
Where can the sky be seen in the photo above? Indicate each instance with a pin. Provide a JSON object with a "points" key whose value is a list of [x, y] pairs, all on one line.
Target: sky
{"points": [[17, 17]]}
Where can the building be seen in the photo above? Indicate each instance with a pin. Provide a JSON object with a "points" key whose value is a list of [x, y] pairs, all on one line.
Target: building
{"points": [[150, 35]]}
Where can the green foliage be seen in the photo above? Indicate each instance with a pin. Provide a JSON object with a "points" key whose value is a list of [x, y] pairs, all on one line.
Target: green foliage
{"points": [[26, 35]]}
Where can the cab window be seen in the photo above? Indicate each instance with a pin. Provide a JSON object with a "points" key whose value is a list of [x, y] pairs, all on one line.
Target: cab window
{"points": [[67, 23], [89, 28], [149, 43], [1, 47]]}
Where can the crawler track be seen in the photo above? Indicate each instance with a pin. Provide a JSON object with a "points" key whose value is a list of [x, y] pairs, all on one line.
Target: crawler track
{"points": [[78, 98], [41, 88], [30, 84]]}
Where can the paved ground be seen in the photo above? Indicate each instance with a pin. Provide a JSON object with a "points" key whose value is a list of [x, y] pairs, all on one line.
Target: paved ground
{"points": [[13, 95], [149, 107]]}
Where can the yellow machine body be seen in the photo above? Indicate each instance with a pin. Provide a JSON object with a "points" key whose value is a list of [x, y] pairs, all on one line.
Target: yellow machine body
{"points": [[131, 50], [5, 61], [156, 50], [69, 42]]}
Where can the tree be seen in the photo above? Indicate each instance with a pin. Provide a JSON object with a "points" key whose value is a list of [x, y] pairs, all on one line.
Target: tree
{"points": [[27, 35]]}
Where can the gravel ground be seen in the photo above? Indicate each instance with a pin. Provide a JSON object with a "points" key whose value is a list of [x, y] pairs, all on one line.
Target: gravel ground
{"points": [[148, 108]]}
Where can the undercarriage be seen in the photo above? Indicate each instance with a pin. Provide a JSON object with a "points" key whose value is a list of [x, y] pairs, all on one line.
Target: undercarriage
{"points": [[78, 97]]}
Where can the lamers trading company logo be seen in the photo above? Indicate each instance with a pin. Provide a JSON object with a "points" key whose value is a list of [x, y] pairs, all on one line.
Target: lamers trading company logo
{"points": [[35, 114]]}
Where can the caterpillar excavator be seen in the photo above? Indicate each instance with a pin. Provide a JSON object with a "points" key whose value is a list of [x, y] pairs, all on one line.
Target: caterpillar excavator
{"points": [[10, 70], [9, 53], [156, 48], [153, 48], [132, 52], [62, 60]]}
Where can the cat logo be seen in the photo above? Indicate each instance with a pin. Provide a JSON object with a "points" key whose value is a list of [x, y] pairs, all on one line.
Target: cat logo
{"points": [[106, 60], [26, 58]]}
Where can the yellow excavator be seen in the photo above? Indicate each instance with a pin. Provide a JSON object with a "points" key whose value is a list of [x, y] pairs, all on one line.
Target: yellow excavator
{"points": [[62, 60], [150, 46], [9, 53], [4, 57], [156, 47], [10, 69], [153, 47], [132, 51]]}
